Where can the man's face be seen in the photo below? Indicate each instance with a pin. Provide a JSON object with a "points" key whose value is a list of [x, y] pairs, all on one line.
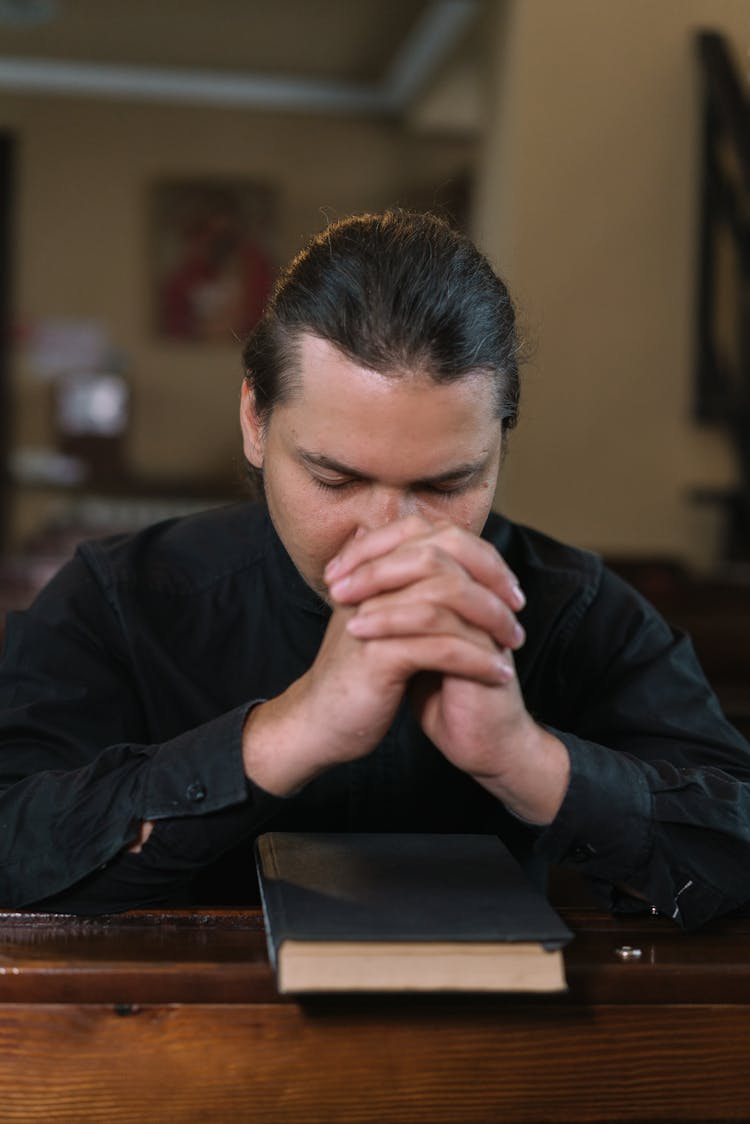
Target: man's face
{"points": [[354, 449]]}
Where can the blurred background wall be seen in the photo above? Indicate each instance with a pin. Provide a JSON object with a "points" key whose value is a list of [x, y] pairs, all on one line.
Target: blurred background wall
{"points": [[563, 133], [587, 199]]}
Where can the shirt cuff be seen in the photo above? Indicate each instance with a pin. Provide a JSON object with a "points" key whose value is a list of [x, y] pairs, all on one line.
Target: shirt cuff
{"points": [[604, 826], [201, 771]]}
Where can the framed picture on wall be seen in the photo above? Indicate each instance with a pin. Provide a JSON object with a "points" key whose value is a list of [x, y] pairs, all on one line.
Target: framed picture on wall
{"points": [[212, 257]]}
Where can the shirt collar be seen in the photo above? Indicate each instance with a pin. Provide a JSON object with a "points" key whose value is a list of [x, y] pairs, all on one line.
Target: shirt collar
{"points": [[287, 578]]}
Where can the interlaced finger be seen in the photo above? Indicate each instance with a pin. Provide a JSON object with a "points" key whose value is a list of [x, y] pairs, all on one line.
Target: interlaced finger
{"points": [[410, 550], [426, 606]]}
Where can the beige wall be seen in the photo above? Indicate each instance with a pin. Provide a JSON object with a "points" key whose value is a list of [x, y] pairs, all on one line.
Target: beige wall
{"points": [[588, 206], [587, 203], [84, 172]]}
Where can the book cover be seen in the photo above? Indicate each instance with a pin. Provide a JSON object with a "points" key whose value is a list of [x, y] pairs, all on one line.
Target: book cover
{"points": [[402, 912]]}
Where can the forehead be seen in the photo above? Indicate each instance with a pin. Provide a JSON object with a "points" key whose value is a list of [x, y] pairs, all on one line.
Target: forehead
{"points": [[399, 423]]}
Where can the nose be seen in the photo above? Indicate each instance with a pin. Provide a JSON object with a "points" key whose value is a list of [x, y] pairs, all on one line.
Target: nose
{"points": [[386, 505]]}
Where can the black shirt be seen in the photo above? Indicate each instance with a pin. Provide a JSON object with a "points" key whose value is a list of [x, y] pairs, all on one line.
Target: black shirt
{"points": [[124, 688]]}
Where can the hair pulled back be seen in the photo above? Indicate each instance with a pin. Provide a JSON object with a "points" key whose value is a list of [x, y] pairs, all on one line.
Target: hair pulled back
{"points": [[395, 292]]}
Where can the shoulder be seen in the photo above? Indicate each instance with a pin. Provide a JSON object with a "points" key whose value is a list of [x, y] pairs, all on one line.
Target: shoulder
{"points": [[571, 586], [544, 563], [183, 555]]}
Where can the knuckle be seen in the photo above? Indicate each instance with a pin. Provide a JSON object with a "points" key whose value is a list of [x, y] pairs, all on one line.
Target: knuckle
{"points": [[497, 611], [365, 572], [492, 556], [430, 615], [457, 583], [451, 649], [452, 534], [433, 556], [451, 591]]}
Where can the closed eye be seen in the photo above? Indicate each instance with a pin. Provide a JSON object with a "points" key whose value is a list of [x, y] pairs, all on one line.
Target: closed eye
{"points": [[452, 488], [333, 485], [443, 491]]}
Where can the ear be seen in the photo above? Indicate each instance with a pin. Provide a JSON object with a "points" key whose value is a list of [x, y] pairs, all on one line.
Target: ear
{"points": [[253, 436]]}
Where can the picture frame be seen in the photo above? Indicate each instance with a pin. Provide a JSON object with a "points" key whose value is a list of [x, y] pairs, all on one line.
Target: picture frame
{"points": [[213, 257]]}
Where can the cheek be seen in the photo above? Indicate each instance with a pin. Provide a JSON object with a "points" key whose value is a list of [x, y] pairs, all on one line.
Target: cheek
{"points": [[320, 527]]}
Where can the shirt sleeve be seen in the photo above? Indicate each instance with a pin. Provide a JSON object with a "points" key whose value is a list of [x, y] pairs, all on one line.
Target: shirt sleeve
{"points": [[658, 806], [78, 774]]}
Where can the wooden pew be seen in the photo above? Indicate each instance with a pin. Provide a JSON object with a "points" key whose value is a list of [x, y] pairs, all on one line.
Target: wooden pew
{"points": [[175, 1016]]}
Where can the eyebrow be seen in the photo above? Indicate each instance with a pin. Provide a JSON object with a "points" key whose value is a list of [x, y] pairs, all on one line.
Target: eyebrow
{"points": [[459, 472]]}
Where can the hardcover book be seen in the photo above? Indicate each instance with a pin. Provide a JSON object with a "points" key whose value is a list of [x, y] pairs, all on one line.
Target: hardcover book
{"points": [[405, 912]]}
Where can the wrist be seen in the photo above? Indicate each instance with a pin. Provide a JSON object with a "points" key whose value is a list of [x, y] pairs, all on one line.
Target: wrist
{"points": [[289, 740], [277, 752], [534, 778]]}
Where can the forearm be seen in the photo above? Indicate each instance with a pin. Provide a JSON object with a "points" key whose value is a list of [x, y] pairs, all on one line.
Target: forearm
{"points": [[283, 745], [160, 875], [62, 827], [677, 839]]}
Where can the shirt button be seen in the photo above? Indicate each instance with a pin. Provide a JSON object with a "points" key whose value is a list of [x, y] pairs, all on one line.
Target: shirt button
{"points": [[196, 792], [582, 852]]}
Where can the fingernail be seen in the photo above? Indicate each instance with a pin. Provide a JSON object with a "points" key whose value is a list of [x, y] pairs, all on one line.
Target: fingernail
{"points": [[505, 669], [340, 587], [333, 567], [518, 596], [519, 635]]}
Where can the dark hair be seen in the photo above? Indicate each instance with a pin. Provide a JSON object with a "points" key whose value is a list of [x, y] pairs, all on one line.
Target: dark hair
{"points": [[394, 292]]}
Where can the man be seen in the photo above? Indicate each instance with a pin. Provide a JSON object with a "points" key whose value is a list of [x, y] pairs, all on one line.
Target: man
{"points": [[373, 650]]}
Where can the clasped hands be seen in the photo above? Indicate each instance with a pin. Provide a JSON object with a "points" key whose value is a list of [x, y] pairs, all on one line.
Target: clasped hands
{"points": [[428, 609]]}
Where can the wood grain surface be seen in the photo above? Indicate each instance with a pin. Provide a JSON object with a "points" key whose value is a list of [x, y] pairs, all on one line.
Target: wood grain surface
{"points": [[175, 1016], [281, 1063]]}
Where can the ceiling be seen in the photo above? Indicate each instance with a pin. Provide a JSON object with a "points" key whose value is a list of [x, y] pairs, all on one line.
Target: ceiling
{"points": [[350, 55]]}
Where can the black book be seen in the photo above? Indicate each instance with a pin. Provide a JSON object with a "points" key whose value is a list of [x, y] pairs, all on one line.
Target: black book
{"points": [[385, 912]]}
